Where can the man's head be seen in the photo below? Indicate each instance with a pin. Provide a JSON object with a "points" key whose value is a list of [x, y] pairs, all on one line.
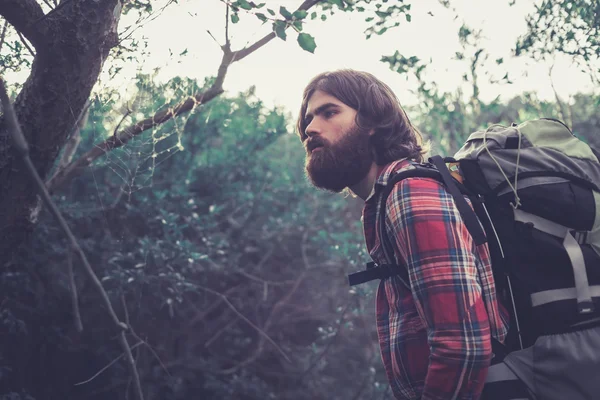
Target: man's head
{"points": [[349, 120]]}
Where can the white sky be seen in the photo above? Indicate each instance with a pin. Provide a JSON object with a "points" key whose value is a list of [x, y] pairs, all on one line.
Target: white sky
{"points": [[280, 70]]}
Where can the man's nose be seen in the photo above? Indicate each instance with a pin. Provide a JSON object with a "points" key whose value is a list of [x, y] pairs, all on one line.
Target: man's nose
{"points": [[312, 129]]}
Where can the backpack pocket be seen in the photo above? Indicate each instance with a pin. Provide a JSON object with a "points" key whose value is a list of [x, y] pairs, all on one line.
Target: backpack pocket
{"points": [[561, 366]]}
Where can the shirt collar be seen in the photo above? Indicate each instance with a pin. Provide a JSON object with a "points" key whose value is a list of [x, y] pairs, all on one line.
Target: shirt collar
{"points": [[383, 175]]}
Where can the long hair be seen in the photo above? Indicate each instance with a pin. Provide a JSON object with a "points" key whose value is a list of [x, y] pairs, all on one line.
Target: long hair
{"points": [[377, 107]]}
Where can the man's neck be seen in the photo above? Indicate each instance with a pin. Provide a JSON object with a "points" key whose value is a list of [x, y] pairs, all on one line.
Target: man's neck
{"points": [[363, 188]]}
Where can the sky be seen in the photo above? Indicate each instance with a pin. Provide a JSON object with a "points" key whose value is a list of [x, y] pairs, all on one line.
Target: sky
{"points": [[281, 69]]}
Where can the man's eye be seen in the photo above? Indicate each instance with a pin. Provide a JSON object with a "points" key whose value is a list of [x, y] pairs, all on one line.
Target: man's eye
{"points": [[329, 114]]}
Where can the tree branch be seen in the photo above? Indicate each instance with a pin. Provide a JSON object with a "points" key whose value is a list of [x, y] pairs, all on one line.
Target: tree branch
{"points": [[22, 14], [118, 140], [74, 296]]}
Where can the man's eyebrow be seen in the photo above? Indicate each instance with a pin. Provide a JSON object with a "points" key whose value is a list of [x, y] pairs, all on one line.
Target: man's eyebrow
{"points": [[320, 110]]}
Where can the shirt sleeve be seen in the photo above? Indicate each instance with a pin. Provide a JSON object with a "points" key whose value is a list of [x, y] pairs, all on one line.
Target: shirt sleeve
{"points": [[433, 242]]}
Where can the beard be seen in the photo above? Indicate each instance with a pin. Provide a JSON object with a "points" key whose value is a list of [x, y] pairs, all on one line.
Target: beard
{"points": [[336, 166]]}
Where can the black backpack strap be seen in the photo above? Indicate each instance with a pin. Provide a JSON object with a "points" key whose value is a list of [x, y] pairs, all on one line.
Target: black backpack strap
{"points": [[382, 271], [376, 271], [466, 212]]}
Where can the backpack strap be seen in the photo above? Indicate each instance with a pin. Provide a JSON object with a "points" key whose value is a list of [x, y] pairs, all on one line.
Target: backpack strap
{"points": [[382, 271], [466, 212]]}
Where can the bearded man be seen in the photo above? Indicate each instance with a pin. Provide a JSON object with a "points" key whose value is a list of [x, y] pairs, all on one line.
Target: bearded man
{"points": [[435, 335]]}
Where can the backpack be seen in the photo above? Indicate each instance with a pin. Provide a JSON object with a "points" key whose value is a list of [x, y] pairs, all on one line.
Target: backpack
{"points": [[534, 190]]}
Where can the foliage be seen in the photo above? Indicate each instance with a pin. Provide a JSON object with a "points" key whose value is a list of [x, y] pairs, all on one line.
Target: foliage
{"points": [[570, 27]]}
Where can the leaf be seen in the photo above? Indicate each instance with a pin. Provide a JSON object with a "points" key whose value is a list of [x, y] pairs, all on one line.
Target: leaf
{"points": [[297, 25], [408, 17], [261, 16], [279, 29], [307, 42], [300, 14], [271, 11], [285, 13], [235, 18], [313, 15], [244, 4]]}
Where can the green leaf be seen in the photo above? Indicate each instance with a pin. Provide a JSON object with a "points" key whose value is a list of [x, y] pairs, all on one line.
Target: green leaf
{"points": [[408, 17], [313, 15], [323, 17], [338, 3], [279, 29], [235, 18], [285, 13], [307, 42], [261, 16], [271, 11], [300, 14], [244, 4], [297, 25]]}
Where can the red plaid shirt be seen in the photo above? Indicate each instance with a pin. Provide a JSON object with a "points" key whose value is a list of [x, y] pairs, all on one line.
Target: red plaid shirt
{"points": [[435, 339]]}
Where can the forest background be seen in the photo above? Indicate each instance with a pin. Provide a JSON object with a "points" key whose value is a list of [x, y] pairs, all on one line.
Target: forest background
{"points": [[208, 268]]}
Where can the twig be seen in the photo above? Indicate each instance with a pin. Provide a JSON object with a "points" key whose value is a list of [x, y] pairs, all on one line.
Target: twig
{"points": [[22, 148], [127, 113], [3, 34], [74, 139], [26, 44], [74, 297], [135, 335], [218, 333], [275, 311], [243, 317], [110, 364], [47, 2], [327, 347], [227, 42]]}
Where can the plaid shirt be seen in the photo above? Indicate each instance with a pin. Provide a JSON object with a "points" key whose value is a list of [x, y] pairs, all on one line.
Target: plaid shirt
{"points": [[435, 339]]}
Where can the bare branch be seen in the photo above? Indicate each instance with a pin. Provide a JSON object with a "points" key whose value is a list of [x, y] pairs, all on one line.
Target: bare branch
{"points": [[74, 138], [3, 34], [74, 297], [227, 42], [26, 44], [22, 14], [274, 312], [229, 57], [243, 317], [97, 374]]}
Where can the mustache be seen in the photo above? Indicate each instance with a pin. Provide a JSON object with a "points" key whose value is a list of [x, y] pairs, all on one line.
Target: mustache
{"points": [[315, 142]]}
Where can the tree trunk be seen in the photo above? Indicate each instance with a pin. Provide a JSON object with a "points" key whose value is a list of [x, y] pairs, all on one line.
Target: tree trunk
{"points": [[71, 45]]}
